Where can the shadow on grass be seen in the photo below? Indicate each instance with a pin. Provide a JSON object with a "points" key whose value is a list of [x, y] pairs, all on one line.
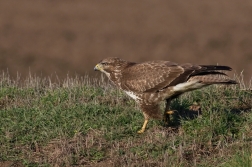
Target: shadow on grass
{"points": [[195, 111]]}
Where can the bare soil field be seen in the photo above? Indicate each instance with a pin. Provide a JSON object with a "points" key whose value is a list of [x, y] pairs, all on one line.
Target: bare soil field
{"points": [[70, 37]]}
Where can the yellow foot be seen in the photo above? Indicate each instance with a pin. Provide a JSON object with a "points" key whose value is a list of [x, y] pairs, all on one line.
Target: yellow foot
{"points": [[170, 112], [140, 131], [143, 127], [169, 116]]}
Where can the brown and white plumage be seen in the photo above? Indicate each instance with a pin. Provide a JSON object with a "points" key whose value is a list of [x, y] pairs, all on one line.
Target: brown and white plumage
{"points": [[151, 82]]}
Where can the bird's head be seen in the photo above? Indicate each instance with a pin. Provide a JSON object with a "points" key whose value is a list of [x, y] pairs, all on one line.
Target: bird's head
{"points": [[111, 64]]}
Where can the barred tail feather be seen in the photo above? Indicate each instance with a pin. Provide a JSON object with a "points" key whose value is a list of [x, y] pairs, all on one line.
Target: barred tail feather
{"points": [[213, 79]]}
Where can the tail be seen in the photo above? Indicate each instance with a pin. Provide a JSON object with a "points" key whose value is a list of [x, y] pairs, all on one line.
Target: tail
{"points": [[211, 74]]}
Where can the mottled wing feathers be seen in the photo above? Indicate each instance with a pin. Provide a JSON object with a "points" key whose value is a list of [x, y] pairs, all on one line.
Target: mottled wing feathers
{"points": [[150, 76]]}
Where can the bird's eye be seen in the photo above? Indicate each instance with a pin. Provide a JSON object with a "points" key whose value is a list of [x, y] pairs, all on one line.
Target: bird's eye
{"points": [[105, 64]]}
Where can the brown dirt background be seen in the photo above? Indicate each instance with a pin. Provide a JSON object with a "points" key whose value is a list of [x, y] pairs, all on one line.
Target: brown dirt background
{"points": [[48, 37]]}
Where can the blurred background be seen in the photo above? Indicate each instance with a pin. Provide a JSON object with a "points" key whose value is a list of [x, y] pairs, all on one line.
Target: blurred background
{"points": [[63, 37]]}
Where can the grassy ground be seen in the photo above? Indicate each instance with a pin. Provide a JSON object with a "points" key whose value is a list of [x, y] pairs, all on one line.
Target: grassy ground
{"points": [[84, 122]]}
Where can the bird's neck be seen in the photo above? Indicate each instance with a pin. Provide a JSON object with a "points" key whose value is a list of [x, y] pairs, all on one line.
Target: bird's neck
{"points": [[115, 77]]}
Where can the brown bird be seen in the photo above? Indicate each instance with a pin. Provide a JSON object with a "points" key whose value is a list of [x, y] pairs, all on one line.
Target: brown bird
{"points": [[151, 82]]}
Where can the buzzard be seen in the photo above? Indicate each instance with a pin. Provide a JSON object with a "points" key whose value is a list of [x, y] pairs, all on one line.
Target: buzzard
{"points": [[151, 82]]}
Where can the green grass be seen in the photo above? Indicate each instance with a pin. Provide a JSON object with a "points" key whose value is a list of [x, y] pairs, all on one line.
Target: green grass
{"points": [[85, 122]]}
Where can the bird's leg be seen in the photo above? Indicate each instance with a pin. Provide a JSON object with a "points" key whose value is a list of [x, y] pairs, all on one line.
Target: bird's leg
{"points": [[167, 107], [168, 112], [143, 127], [146, 119]]}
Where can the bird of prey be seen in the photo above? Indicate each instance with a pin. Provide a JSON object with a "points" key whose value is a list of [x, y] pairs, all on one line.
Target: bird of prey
{"points": [[151, 82]]}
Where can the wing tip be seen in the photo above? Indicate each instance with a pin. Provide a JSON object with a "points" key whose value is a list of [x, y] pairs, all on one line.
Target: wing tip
{"points": [[232, 82], [217, 67]]}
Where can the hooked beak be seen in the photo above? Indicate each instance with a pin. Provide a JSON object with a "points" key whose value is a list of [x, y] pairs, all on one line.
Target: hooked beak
{"points": [[97, 67]]}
